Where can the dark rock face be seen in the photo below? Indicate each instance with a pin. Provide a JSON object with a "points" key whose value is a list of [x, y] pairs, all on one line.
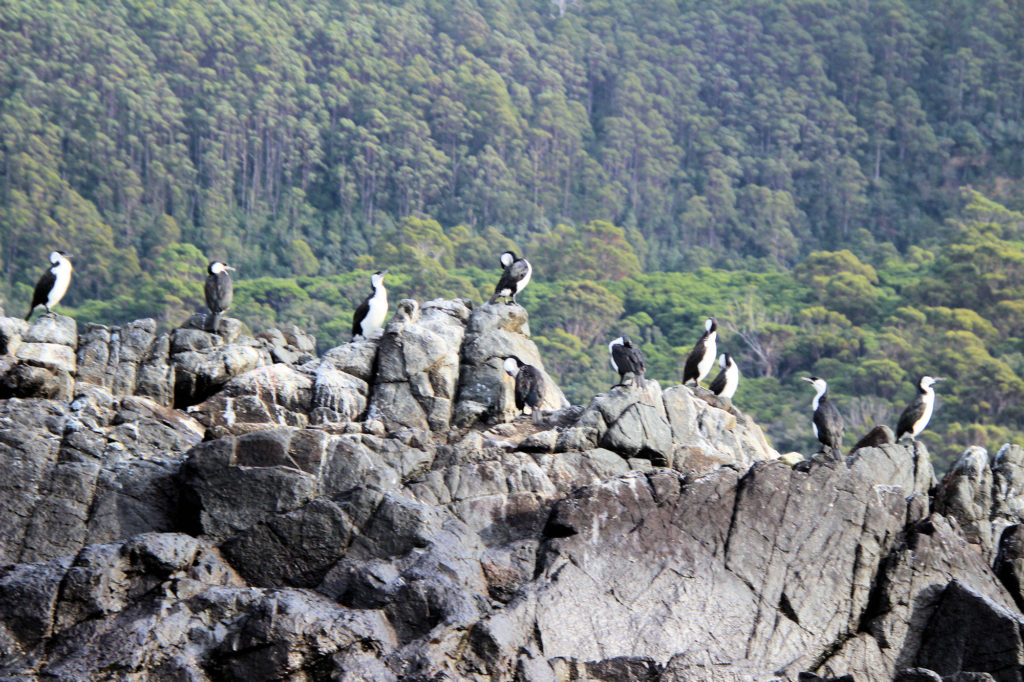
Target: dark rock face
{"points": [[200, 506]]}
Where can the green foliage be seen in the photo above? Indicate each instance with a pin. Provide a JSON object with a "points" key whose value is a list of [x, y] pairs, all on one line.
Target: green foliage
{"points": [[657, 163]]}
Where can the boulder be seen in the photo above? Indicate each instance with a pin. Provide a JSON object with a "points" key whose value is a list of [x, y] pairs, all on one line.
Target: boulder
{"points": [[706, 436], [237, 482], [495, 332], [202, 364], [965, 493], [969, 632], [267, 397], [418, 365], [12, 330], [110, 357], [59, 330]]}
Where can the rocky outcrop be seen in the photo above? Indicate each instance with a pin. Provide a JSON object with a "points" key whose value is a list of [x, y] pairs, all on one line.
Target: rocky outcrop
{"points": [[188, 505]]}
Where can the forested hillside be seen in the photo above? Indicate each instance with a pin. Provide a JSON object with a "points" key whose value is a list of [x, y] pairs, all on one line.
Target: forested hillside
{"points": [[795, 167]]}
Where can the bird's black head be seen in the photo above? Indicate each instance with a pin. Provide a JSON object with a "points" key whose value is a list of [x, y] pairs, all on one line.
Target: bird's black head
{"points": [[55, 256], [627, 342], [711, 325], [507, 259]]}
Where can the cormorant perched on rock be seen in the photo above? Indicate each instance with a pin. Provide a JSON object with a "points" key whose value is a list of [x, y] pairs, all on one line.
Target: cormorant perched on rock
{"points": [[529, 384], [514, 279], [728, 379], [827, 422], [915, 418], [52, 286], [219, 292], [627, 358], [368, 320], [702, 357]]}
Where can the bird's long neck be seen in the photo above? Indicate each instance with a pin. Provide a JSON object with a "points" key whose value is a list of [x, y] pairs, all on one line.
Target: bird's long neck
{"points": [[927, 395], [62, 265], [379, 291], [819, 397]]}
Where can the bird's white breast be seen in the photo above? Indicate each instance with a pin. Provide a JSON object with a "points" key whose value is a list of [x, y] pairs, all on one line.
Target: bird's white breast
{"points": [[705, 364], [732, 381], [929, 405], [62, 271], [377, 312]]}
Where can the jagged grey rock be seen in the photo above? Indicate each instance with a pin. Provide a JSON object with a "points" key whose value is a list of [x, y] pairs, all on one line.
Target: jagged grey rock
{"points": [[418, 365], [348, 517], [42, 362], [707, 436], [1009, 562], [270, 396], [966, 493], [493, 333]]}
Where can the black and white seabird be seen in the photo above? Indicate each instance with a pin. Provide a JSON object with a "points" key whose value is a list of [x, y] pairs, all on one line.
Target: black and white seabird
{"points": [[702, 357], [52, 286], [627, 359], [219, 292], [368, 321], [827, 422], [529, 384], [915, 418], [514, 279], [728, 379]]}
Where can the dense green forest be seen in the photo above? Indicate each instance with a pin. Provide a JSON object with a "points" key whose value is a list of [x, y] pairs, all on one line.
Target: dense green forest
{"points": [[836, 181]]}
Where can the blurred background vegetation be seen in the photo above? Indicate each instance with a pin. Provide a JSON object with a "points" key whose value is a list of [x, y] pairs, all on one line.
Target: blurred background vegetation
{"points": [[839, 183]]}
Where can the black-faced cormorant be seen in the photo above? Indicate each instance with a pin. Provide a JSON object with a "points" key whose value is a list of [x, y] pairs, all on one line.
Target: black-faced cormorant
{"points": [[728, 379], [368, 320], [827, 422], [52, 286], [915, 418], [514, 279]]}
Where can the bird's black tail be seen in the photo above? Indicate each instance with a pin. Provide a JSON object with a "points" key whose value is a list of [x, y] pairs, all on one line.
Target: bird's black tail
{"points": [[213, 322], [30, 311]]}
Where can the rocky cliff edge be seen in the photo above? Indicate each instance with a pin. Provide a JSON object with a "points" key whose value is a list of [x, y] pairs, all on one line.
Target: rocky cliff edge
{"points": [[197, 506]]}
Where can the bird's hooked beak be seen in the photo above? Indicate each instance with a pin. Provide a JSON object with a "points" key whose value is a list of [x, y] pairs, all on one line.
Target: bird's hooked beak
{"points": [[228, 267], [808, 380]]}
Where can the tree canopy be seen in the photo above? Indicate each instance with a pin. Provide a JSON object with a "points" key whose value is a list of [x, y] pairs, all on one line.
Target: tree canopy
{"points": [[794, 167]]}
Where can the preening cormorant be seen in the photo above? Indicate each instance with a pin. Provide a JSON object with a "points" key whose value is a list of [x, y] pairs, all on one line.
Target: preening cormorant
{"points": [[627, 359], [702, 357], [219, 292], [514, 279]]}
